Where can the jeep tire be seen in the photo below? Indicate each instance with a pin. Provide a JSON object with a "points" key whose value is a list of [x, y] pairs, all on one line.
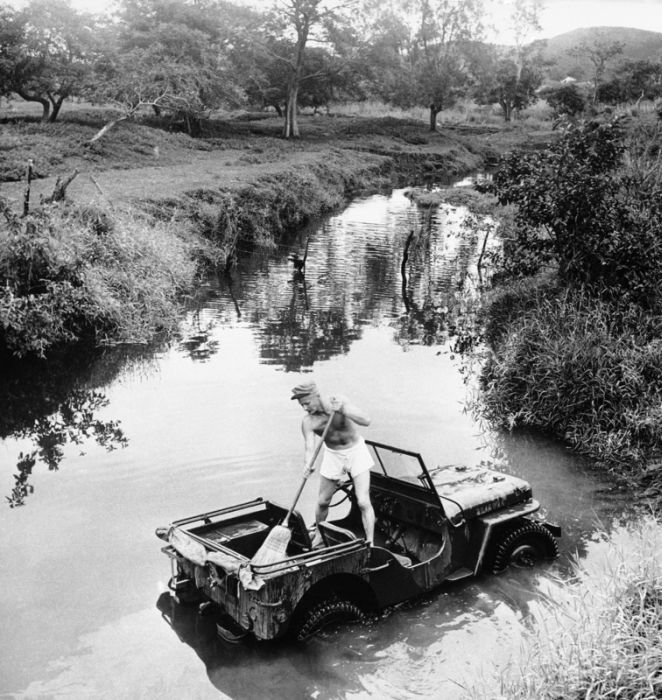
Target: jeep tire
{"points": [[523, 545], [326, 612]]}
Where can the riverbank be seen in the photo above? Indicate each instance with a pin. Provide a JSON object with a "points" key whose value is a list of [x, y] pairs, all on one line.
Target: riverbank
{"points": [[237, 186]]}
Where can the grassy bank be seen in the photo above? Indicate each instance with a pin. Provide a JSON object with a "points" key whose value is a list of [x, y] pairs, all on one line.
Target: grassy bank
{"points": [[598, 636], [69, 274], [236, 187]]}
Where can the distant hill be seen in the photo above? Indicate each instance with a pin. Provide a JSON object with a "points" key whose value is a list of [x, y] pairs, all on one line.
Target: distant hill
{"points": [[639, 44]]}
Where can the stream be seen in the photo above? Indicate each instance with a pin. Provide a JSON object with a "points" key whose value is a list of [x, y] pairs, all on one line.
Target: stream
{"points": [[100, 449]]}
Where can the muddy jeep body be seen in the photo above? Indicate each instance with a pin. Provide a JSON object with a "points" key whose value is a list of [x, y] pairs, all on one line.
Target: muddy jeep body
{"points": [[432, 526]]}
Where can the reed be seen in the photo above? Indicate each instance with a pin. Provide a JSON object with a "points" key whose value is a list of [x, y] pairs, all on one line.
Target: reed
{"points": [[585, 370], [598, 634]]}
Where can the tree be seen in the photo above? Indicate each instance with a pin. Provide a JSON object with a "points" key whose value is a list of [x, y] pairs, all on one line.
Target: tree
{"points": [[599, 52], [50, 54], [565, 99], [633, 81], [582, 211], [445, 26], [509, 83], [169, 55], [418, 51], [303, 21]]}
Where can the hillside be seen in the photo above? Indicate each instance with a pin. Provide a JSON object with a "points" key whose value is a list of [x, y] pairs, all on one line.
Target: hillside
{"points": [[638, 44]]}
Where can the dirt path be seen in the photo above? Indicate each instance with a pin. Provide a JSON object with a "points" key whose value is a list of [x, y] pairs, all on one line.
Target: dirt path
{"points": [[216, 170]]}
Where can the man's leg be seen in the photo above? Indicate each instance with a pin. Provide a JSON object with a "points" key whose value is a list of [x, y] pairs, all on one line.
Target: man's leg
{"points": [[362, 493], [326, 491]]}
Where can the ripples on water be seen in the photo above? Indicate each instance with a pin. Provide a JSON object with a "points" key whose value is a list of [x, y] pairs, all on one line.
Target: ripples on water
{"points": [[209, 423]]}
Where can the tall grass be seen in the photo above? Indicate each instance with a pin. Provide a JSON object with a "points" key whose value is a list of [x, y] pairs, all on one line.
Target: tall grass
{"points": [[587, 371], [69, 274], [599, 636]]}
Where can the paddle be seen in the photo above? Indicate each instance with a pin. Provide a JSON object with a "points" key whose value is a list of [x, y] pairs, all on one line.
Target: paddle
{"points": [[275, 545]]}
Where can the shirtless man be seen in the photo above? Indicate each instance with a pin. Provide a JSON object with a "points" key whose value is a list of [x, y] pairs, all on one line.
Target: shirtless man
{"points": [[344, 454]]}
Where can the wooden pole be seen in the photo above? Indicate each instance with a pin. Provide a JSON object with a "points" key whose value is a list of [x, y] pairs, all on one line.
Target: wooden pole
{"points": [[26, 194]]}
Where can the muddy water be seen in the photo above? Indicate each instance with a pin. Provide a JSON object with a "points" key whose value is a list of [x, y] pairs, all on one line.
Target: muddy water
{"points": [[207, 422]]}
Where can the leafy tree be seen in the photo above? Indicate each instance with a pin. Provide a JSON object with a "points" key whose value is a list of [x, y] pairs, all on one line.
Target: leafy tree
{"points": [[599, 52], [418, 51], [580, 210], [324, 76], [445, 25], [633, 81], [48, 55], [565, 99], [511, 84], [301, 21], [168, 55]]}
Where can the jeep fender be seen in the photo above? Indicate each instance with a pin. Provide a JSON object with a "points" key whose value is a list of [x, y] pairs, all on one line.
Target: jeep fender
{"points": [[492, 521]]}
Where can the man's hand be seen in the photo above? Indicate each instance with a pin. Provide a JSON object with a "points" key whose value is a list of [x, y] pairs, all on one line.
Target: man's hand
{"points": [[333, 403], [307, 471]]}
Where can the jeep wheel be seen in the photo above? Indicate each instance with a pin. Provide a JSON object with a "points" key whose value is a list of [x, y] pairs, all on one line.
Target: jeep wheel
{"points": [[324, 613], [523, 546]]}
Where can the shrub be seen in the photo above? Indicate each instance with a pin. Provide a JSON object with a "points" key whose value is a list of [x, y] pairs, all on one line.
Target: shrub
{"points": [[68, 275], [598, 635], [588, 371], [565, 99], [580, 211]]}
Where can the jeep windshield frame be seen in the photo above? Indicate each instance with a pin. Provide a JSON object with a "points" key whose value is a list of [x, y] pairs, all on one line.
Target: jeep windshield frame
{"points": [[402, 465]]}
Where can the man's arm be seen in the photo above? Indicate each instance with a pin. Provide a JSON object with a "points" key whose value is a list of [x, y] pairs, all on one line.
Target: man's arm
{"points": [[340, 404], [309, 446]]}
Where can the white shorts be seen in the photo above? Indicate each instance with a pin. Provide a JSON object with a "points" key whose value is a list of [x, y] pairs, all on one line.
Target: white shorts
{"points": [[340, 465]]}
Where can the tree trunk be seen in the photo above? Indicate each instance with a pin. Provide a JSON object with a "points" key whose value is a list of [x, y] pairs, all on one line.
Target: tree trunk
{"points": [[291, 128], [45, 104], [57, 106], [105, 129], [434, 111], [507, 110]]}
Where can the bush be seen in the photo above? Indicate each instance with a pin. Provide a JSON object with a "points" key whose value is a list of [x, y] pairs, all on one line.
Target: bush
{"points": [[68, 275], [598, 635], [585, 370], [565, 99], [582, 212]]}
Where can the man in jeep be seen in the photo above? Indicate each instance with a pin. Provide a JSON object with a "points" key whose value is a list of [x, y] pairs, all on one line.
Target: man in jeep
{"points": [[344, 454]]}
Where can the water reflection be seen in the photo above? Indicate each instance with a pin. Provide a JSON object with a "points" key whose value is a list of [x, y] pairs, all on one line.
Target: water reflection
{"points": [[57, 403], [382, 260]]}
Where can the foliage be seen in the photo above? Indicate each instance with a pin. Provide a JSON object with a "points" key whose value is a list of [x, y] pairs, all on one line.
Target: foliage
{"points": [[74, 421], [581, 211], [600, 51], [633, 81], [587, 371], [48, 53], [167, 56], [597, 634], [417, 52], [509, 83], [69, 274], [565, 99]]}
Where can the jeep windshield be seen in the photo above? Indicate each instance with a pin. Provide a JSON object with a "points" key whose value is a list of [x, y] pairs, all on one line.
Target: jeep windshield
{"points": [[399, 464]]}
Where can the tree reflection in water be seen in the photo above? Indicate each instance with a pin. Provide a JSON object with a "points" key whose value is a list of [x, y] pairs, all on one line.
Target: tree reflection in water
{"points": [[56, 403], [298, 336], [438, 289], [74, 422]]}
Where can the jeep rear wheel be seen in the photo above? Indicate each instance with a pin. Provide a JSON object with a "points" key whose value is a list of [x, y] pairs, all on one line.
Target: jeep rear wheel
{"points": [[324, 613], [523, 546]]}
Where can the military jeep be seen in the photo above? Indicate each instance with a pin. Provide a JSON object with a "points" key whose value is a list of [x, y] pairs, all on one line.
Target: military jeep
{"points": [[432, 526]]}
